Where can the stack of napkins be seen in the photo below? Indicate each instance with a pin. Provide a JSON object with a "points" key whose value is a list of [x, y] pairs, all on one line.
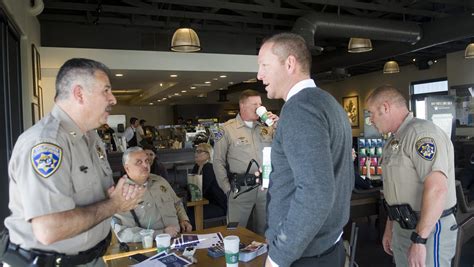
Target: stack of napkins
{"points": [[252, 251]]}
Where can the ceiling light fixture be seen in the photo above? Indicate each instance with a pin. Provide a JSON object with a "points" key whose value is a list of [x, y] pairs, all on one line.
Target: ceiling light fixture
{"points": [[359, 45], [118, 75], [183, 91], [223, 76], [186, 40], [391, 67], [469, 52], [174, 75], [208, 82], [192, 87]]}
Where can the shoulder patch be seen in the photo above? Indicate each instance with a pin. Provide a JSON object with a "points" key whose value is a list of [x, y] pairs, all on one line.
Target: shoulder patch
{"points": [[426, 148], [46, 158], [220, 133]]}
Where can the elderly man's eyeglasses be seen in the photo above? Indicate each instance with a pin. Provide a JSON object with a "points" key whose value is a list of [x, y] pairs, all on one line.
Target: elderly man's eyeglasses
{"points": [[199, 151]]}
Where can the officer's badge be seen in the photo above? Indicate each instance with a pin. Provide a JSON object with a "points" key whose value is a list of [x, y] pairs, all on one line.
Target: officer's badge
{"points": [[163, 189], [100, 152], [46, 158], [426, 148], [394, 145], [264, 131], [220, 133]]}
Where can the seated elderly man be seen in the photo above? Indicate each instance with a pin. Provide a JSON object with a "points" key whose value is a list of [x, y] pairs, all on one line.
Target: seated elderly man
{"points": [[161, 210]]}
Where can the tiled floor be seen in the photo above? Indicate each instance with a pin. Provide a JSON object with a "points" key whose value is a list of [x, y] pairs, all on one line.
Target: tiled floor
{"points": [[369, 251]]}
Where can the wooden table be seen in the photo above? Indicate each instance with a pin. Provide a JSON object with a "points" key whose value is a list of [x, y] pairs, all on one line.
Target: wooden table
{"points": [[114, 258], [198, 212]]}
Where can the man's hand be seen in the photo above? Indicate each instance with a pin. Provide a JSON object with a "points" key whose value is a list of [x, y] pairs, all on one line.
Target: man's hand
{"points": [[417, 255], [125, 196], [172, 230], [274, 117], [185, 226], [387, 238]]}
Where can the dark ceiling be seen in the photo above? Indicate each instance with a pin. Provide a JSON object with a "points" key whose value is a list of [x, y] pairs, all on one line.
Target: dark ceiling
{"points": [[424, 30]]}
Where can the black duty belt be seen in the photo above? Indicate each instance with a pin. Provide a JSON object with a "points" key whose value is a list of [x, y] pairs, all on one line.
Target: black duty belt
{"points": [[48, 258], [445, 213]]}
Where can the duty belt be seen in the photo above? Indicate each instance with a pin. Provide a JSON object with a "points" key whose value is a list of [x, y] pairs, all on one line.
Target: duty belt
{"points": [[406, 217], [38, 257]]}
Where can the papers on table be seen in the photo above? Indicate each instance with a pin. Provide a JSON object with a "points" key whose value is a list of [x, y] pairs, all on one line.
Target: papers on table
{"points": [[198, 241], [164, 259]]}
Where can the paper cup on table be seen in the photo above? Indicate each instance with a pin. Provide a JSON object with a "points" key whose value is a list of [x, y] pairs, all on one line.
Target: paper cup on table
{"points": [[163, 242], [231, 248], [147, 238]]}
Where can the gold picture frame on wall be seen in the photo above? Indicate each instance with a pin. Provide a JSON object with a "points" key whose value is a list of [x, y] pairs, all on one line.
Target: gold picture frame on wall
{"points": [[35, 113], [36, 62], [351, 106]]}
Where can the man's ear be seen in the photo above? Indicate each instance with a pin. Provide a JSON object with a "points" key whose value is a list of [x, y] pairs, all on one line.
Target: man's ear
{"points": [[386, 107], [78, 93], [290, 64], [125, 167]]}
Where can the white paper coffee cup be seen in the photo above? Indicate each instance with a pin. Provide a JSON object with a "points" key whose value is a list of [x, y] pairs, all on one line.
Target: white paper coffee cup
{"points": [[147, 238], [163, 242], [231, 248], [263, 114]]}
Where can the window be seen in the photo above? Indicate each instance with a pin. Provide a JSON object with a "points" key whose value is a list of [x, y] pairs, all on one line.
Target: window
{"points": [[422, 89]]}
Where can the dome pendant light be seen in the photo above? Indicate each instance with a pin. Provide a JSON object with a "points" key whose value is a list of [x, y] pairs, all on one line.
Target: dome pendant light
{"points": [[391, 67], [185, 40], [359, 45]]}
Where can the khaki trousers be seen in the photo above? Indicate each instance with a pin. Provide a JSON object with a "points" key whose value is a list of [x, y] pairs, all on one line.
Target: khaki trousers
{"points": [[239, 209]]}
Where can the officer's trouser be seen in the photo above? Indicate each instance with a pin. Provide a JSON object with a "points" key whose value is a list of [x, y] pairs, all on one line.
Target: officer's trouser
{"points": [[440, 247], [99, 262], [239, 209]]}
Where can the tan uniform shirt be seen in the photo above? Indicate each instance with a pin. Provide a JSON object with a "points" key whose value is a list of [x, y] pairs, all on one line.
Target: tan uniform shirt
{"points": [[54, 168], [160, 208], [416, 149], [236, 145]]}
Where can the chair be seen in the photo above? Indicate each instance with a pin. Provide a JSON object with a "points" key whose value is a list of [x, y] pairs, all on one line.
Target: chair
{"points": [[465, 219]]}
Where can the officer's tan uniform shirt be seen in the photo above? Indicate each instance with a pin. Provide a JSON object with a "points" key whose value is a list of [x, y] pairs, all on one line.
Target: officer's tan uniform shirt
{"points": [[237, 146], [54, 168], [160, 207], [416, 149]]}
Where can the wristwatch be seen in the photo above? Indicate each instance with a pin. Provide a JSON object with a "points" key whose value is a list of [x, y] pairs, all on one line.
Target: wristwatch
{"points": [[417, 239]]}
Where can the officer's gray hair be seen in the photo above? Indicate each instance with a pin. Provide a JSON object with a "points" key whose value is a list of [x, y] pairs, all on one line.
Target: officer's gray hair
{"points": [[388, 93], [127, 153], [80, 70]]}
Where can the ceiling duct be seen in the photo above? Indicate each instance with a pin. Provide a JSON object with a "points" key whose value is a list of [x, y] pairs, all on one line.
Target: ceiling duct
{"points": [[327, 25]]}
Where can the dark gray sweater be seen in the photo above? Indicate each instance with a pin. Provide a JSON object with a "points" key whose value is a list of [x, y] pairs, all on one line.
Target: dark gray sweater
{"points": [[312, 177]]}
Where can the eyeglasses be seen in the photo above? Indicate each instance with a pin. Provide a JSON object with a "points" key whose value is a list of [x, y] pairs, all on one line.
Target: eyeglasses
{"points": [[199, 151]]}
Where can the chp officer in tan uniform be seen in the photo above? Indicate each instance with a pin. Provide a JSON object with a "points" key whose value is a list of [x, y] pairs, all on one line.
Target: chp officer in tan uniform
{"points": [[419, 188], [161, 210], [239, 141], [61, 189]]}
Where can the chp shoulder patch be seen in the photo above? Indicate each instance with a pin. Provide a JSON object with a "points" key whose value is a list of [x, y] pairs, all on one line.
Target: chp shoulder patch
{"points": [[46, 158], [220, 133], [426, 148]]}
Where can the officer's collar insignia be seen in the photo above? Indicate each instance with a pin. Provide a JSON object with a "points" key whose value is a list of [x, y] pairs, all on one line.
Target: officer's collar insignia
{"points": [[46, 158], [72, 133], [426, 148], [100, 152], [394, 145], [264, 131], [163, 188], [219, 134]]}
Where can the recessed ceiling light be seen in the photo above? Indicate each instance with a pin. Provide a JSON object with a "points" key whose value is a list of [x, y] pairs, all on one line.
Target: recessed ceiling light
{"points": [[192, 87], [215, 79], [414, 60], [161, 84], [231, 83], [436, 61], [223, 76], [220, 89], [176, 94], [151, 104], [164, 98], [183, 91], [118, 74], [207, 82], [174, 75]]}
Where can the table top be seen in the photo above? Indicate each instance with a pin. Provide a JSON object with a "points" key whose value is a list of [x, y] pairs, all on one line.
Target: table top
{"points": [[246, 236]]}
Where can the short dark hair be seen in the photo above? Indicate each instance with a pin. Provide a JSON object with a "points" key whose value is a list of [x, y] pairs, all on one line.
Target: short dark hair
{"points": [[290, 44], [77, 68], [142, 122], [246, 94], [133, 120]]}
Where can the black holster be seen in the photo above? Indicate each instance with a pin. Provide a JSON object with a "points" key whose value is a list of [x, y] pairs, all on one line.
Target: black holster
{"points": [[403, 214]]}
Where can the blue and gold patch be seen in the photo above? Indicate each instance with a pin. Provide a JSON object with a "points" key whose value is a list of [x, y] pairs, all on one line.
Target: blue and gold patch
{"points": [[220, 133], [426, 148], [46, 158]]}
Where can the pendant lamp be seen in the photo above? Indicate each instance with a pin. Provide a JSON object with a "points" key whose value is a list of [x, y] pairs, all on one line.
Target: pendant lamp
{"points": [[185, 40], [391, 67], [359, 45], [469, 53]]}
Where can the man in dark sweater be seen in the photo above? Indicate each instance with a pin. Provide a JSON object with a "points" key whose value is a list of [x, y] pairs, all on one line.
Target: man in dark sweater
{"points": [[313, 175]]}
